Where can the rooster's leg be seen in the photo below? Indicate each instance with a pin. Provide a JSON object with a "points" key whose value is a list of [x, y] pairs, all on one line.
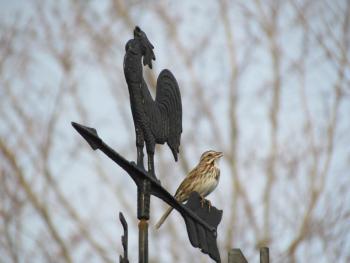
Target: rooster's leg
{"points": [[140, 157], [151, 166], [140, 143]]}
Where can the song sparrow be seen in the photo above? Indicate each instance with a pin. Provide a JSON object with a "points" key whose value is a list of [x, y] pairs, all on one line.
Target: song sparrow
{"points": [[203, 179]]}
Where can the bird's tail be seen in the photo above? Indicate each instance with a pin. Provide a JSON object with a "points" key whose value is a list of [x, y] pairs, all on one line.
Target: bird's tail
{"points": [[162, 219]]}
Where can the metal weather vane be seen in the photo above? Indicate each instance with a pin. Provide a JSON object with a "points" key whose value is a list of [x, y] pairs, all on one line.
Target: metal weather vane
{"points": [[124, 258], [156, 121], [159, 120]]}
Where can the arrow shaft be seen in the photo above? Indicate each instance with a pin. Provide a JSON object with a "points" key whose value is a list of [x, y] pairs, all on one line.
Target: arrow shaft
{"points": [[139, 176]]}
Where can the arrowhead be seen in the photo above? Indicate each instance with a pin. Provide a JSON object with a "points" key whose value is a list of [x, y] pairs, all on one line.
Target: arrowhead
{"points": [[89, 134]]}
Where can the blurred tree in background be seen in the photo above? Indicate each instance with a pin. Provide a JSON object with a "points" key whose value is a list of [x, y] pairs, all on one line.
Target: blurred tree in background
{"points": [[266, 82]]}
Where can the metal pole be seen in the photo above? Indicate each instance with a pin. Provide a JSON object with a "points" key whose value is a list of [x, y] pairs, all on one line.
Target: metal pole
{"points": [[143, 241], [264, 255], [143, 204], [235, 255]]}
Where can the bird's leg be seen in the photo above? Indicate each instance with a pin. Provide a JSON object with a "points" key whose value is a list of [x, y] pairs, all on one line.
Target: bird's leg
{"points": [[209, 204], [202, 201]]}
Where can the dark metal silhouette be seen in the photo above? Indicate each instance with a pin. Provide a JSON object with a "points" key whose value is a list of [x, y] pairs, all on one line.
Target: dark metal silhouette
{"points": [[235, 255], [156, 121], [264, 255], [200, 236], [201, 222], [124, 258], [159, 121]]}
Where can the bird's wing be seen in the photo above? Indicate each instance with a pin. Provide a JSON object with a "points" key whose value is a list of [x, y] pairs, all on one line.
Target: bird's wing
{"points": [[169, 100], [186, 187]]}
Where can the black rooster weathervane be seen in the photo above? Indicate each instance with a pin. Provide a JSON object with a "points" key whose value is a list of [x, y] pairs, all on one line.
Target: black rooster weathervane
{"points": [[156, 121], [159, 120]]}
